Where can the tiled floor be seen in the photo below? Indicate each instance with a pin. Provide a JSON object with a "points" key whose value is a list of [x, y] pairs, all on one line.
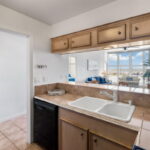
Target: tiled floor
{"points": [[13, 135]]}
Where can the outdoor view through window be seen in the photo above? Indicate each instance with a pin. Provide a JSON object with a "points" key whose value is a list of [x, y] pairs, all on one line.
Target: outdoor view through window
{"points": [[128, 67]]}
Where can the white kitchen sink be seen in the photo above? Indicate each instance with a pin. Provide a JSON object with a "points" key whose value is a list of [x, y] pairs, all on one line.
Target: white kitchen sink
{"points": [[116, 110], [89, 103]]}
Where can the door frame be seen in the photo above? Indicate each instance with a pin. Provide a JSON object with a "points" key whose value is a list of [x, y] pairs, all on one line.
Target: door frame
{"points": [[30, 85]]}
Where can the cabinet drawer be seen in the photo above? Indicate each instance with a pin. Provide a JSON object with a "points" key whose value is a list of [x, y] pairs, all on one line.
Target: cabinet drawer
{"points": [[100, 143], [140, 28], [81, 40], [112, 34], [60, 44]]}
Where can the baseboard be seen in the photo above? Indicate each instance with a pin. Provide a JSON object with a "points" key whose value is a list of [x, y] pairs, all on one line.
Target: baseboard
{"points": [[13, 116]]}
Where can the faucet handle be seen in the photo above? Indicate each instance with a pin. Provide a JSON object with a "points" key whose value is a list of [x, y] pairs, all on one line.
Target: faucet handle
{"points": [[130, 102], [115, 92], [102, 92]]}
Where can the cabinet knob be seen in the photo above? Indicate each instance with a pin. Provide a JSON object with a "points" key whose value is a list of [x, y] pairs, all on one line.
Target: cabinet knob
{"points": [[136, 28], [72, 41], [64, 43], [95, 140], [119, 32], [82, 134]]}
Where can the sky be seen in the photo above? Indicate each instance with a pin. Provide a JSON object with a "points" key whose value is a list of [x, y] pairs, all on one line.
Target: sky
{"points": [[136, 58]]}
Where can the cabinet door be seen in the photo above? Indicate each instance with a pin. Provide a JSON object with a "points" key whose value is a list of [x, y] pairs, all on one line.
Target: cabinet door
{"points": [[72, 137], [81, 40], [99, 143], [140, 28], [60, 44], [111, 34]]}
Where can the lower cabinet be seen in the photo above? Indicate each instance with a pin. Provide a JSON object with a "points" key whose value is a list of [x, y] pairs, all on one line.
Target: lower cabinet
{"points": [[100, 143], [72, 137]]}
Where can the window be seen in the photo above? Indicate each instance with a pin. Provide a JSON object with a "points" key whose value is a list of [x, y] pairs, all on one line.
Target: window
{"points": [[72, 66], [127, 64]]}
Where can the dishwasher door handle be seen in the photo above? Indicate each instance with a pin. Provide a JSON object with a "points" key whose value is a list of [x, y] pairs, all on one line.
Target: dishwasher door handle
{"points": [[39, 107]]}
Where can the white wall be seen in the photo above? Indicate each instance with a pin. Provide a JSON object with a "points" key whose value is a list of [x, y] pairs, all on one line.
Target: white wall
{"points": [[13, 75], [114, 11], [81, 64], [40, 44]]}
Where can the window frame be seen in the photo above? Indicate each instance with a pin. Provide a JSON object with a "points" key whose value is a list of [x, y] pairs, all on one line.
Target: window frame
{"points": [[70, 64]]}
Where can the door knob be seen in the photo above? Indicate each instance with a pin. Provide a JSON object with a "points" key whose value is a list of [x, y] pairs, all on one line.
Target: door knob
{"points": [[136, 28], [82, 134], [95, 140], [119, 32]]}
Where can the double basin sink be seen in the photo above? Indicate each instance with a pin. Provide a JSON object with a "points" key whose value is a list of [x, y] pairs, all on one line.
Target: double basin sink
{"points": [[115, 110]]}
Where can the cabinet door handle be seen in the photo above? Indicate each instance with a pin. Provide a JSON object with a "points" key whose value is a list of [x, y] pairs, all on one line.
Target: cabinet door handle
{"points": [[72, 41], [64, 43], [95, 140], [136, 28], [119, 32], [82, 134]]}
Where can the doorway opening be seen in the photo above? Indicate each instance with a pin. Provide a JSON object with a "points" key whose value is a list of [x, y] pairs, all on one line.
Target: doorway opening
{"points": [[13, 89]]}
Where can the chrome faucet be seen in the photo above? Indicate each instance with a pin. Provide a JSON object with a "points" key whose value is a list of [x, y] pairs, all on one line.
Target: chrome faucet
{"points": [[114, 96], [130, 102]]}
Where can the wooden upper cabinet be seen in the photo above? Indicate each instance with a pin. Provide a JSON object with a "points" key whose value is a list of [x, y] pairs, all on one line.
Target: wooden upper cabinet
{"points": [[116, 33], [99, 143], [111, 34], [72, 137], [81, 39], [140, 27], [60, 44]]}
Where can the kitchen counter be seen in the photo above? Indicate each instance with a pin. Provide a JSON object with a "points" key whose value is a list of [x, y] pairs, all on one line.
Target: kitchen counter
{"points": [[140, 120]]}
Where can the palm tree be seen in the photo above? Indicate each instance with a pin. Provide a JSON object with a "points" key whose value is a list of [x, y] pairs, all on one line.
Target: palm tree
{"points": [[147, 62]]}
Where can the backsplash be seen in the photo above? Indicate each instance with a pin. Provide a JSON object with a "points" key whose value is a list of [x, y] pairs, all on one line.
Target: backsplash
{"points": [[137, 99], [42, 89]]}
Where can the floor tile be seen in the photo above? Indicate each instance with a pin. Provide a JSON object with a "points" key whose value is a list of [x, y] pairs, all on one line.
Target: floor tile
{"points": [[20, 122], [13, 135], [17, 136], [21, 144], [12, 130], [22, 125], [4, 142], [6, 125], [1, 136], [11, 147]]}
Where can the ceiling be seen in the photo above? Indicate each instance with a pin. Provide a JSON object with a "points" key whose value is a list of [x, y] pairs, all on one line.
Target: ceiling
{"points": [[53, 11]]}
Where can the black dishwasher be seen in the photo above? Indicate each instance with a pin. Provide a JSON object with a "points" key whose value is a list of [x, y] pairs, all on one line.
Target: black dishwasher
{"points": [[45, 125]]}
